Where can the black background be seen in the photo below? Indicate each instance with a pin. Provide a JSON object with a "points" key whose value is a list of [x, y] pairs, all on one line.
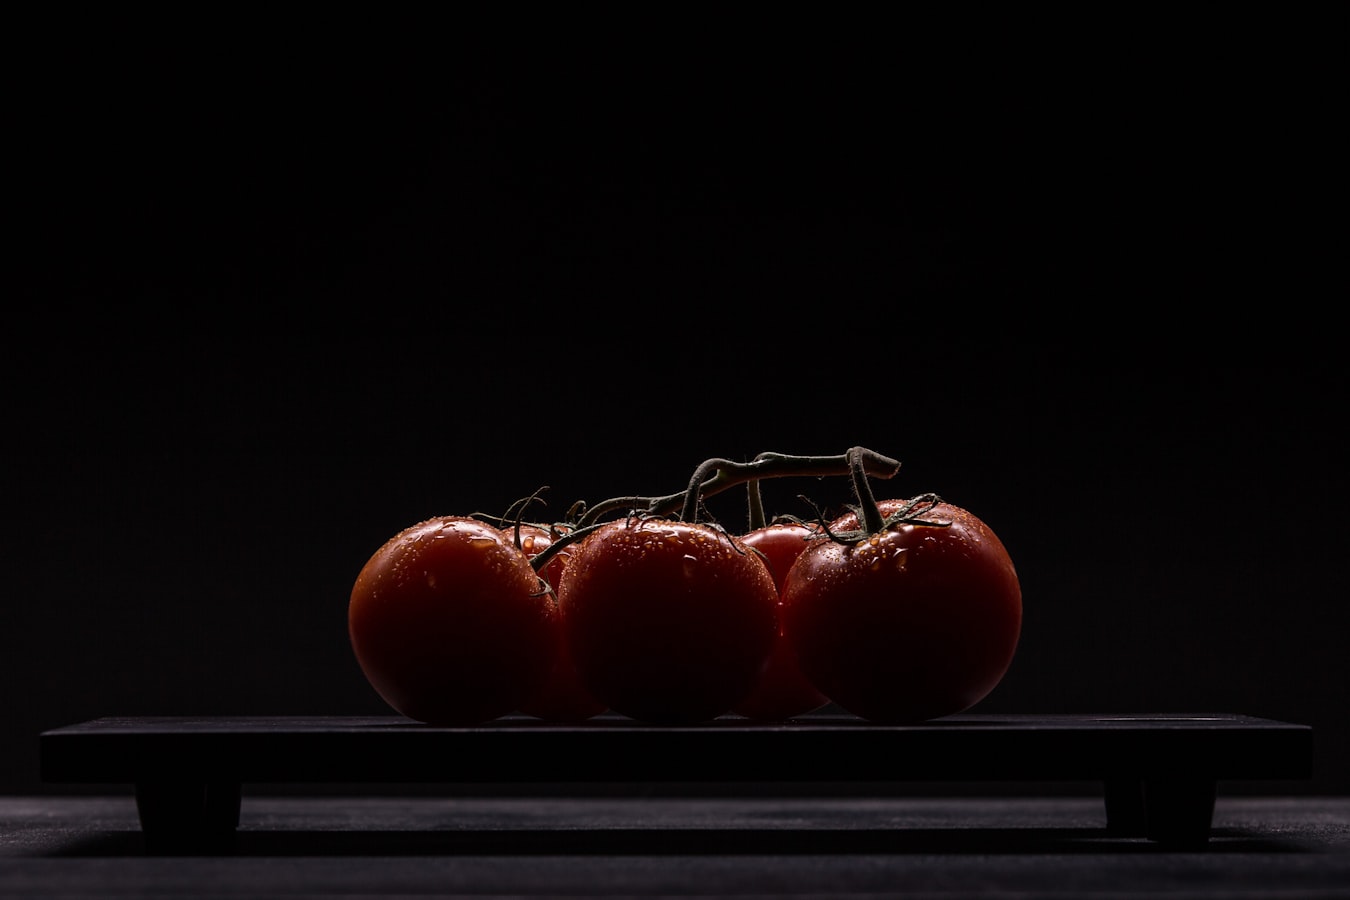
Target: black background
{"points": [[278, 299]]}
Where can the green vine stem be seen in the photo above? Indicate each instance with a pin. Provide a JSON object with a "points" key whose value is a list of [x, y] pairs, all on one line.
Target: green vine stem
{"points": [[713, 476], [716, 475], [754, 497], [755, 517], [868, 514]]}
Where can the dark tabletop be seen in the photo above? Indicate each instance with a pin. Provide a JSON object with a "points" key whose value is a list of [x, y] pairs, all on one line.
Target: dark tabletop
{"points": [[631, 844]]}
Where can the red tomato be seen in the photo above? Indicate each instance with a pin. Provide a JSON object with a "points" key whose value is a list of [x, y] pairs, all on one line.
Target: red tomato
{"points": [[668, 621], [911, 624], [562, 697], [450, 623], [783, 691]]}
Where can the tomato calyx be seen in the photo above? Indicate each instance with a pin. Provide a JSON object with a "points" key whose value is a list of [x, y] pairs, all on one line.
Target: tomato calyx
{"points": [[514, 522], [871, 521], [912, 513]]}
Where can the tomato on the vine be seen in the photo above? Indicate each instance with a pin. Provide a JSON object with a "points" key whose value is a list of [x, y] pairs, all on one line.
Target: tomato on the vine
{"points": [[782, 690], [915, 622], [561, 698], [450, 623], [668, 621]]}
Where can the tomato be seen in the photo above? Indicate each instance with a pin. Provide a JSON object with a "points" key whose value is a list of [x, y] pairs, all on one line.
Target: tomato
{"points": [[562, 698], [667, 621], [914, 623], [450, 623], [783, 691]]}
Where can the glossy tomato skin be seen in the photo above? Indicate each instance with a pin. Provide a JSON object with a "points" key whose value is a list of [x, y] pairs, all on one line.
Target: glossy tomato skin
{"points": [[561, 698], [668, 622], [912, 624], [782, 691], [450, 624]]}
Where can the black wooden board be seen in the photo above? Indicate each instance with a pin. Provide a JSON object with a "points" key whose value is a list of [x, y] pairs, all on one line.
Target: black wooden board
{"points": [[1159, 771], [614, 749]]}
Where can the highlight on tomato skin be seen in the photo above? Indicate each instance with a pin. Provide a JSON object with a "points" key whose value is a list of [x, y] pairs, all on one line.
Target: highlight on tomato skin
{"points": [[450, 623], [914, 623], [782, 691], [668, 622]]}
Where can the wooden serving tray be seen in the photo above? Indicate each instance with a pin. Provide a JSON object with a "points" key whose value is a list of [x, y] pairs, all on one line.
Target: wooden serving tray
{"points": [[1159, 772]]}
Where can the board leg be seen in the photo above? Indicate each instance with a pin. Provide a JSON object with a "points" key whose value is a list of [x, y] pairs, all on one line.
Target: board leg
{"points": [[1125, 811], [188, 816], [1179, 811]]}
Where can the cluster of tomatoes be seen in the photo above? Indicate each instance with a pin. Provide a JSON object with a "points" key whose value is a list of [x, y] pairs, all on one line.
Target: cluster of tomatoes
{"points": [[898, 611]]}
